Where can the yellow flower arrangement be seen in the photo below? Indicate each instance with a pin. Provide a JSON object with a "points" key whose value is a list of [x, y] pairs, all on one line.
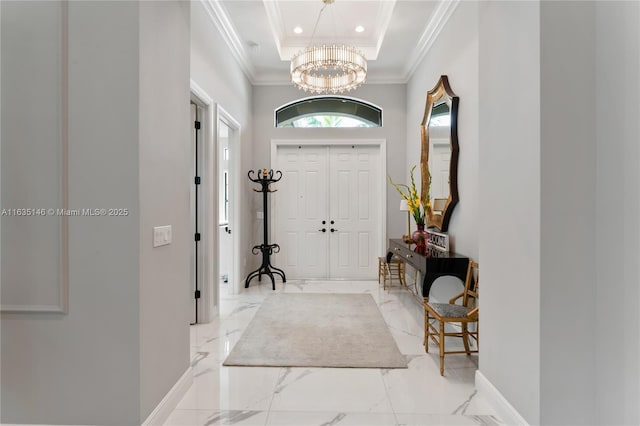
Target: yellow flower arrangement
{"points": [[416, 208]]}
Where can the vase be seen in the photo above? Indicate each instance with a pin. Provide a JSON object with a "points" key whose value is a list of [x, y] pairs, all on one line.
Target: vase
{"points": [[419, 237]]}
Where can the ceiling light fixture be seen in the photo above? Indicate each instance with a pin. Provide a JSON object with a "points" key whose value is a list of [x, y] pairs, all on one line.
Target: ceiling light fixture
{"points": [[297, 30], [359, 29], [328, 68]]}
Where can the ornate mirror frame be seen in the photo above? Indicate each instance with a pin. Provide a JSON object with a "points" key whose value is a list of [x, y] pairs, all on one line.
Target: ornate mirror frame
{"points": [[442, 91]]}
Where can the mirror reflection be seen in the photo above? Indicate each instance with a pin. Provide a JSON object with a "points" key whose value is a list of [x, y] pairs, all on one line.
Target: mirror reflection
{"points": [[439, 156]]}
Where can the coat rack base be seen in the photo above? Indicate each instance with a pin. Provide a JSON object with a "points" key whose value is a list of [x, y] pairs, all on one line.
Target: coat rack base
{"points": [[266, 268]]}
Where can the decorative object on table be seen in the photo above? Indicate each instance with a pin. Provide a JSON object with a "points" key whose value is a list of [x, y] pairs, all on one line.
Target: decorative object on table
{"points": [[404, 207], [416, 208], [438, 240], [419, 238], [334, 68], [265, 178], [439, 152]]}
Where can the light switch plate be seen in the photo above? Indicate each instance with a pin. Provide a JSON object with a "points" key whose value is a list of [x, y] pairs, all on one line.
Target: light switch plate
{"points": [[259, 215], [161, 235]]}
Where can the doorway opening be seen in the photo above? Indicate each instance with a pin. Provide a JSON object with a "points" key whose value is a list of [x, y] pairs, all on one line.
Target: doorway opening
{"points": [[225, 239], [330, 212], [202, 202], [228, 164]]}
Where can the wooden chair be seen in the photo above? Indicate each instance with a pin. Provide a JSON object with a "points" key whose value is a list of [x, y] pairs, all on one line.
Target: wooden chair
{"points": [[394, 268], [464, 313]]}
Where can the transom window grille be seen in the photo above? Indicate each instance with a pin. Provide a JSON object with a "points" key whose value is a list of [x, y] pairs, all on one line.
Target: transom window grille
{"points": [[328, 111]]}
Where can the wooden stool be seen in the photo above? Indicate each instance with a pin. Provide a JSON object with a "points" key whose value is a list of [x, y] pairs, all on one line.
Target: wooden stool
{"points": [[392, 269]]}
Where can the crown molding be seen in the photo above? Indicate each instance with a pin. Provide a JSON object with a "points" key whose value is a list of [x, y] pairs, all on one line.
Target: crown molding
{"points": [[384, 18], [441, 15], [220, 19], [275, 23]]}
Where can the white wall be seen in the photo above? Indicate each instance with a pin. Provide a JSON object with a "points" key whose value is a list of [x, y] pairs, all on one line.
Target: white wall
{"points": [[107, 360], [37, 238], [84, 367], [567, 213], [455, 54], [617, 208], [216, 71], [509, 201], [560, 253], [166, 303], [391, 98]]}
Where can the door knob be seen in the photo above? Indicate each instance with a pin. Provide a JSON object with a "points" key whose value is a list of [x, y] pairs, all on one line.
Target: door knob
{"points": [[324, 230], [333, 230]]}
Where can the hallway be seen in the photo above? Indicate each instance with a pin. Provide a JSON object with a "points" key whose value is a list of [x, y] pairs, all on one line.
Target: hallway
{"points": [[327, 396]]}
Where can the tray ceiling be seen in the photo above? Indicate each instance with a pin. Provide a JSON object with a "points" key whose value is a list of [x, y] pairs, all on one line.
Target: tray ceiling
{"points": [[395, 36]]}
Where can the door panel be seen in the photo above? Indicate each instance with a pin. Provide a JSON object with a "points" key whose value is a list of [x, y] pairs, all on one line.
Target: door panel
{"points": [[354, 207], [328, 183], [193, 210], [300, 207]]}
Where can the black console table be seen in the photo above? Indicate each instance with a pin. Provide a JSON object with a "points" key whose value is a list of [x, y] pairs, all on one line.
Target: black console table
{"points": [[432, 264]]}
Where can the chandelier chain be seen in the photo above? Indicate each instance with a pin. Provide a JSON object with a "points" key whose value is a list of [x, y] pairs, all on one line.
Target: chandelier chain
{"points": [[315, 27]]}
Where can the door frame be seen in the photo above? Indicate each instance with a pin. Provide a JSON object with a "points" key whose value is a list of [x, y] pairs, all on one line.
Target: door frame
{"points": [[208, 302], [380, 143], [234, 198]]}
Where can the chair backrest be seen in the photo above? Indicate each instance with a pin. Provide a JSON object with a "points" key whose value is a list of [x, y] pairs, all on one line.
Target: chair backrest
{"points": [[471, 283]]}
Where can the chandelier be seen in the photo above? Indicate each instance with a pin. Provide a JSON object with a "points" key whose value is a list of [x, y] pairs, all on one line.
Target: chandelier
{"points": [[328, 68]]}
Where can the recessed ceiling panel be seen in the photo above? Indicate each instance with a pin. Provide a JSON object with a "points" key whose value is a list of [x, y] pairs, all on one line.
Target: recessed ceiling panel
{"points": [[321, 23]]}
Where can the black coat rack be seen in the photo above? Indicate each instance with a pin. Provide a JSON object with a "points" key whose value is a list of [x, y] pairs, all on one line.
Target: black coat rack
{"points": [[265, 178]]}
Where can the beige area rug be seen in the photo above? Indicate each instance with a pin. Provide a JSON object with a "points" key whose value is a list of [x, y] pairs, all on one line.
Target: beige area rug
{"points": [[317, 330]]}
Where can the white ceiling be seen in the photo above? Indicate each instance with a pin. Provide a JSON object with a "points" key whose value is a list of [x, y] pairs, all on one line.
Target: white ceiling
{"points": [[397, 33]]}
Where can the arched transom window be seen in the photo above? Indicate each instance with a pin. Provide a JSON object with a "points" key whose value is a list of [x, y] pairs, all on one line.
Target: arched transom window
{"points": [[329, 111]]}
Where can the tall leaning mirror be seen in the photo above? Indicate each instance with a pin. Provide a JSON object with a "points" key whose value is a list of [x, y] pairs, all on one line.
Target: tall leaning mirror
{"points": [[439, 155]]}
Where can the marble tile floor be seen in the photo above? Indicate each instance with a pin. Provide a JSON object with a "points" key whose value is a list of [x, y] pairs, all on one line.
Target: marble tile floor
{"points": [[328, 396]]}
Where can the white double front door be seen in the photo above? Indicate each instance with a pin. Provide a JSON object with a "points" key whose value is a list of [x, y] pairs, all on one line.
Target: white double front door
{"points": [[327, 211]]}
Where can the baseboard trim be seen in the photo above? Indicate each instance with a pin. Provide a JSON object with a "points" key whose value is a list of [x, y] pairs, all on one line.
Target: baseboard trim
{"points": [[170, 401], [504, 409]]}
